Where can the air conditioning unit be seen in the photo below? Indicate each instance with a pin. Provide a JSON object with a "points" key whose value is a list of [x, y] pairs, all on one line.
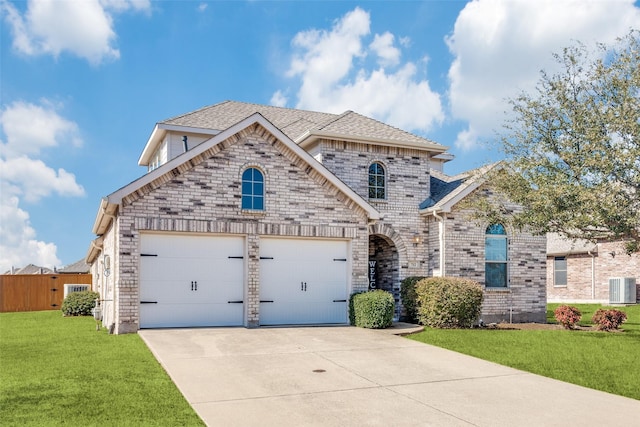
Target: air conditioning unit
{"points": [[622, 290], [73, 287]]}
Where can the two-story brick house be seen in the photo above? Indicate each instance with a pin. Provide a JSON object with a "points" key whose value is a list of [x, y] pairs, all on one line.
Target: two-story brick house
{"points": [[259, 215]]}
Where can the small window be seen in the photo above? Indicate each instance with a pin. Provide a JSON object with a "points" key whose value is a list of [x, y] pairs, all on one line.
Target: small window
{"points": [[377, 181], [560, 271], [496, 258], [253, 189]]}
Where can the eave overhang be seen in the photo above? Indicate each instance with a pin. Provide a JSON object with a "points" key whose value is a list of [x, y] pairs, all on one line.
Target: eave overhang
{"points": [[158, 134], [309, 137]]}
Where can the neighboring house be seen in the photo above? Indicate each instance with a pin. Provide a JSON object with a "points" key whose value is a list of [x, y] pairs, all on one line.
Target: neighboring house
{"points": [[579, 271], [78, 267], [30, 269], [258, 215]]}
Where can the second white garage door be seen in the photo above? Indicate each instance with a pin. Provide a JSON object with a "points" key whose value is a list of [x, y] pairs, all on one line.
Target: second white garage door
{"points": [[303, 281], [191, 280]]}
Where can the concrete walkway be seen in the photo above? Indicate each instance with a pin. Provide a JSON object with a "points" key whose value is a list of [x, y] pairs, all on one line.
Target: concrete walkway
{"points": [[346, 376]]}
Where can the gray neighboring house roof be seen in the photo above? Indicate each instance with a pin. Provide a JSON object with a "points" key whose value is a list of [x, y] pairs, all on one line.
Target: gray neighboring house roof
{"points": [[78, 267], [32, 269], [558, 245]]}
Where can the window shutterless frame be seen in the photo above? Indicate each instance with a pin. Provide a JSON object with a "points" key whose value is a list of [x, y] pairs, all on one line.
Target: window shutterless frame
{"points": [[253, 189], [496, 271]]}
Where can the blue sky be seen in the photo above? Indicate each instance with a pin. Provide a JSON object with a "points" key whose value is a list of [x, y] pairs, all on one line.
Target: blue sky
{"points": [[82, 83]]}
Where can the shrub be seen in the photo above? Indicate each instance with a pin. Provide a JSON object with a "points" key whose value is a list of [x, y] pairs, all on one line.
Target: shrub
{"points": [[448, 302], [608, 320], [79, 303], [373, 309], [408, 297], [567, 316]]}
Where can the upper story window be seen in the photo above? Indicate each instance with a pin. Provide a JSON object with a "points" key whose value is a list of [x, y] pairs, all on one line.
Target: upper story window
{"points": [[377, 181], [496, 257], [253, 189]]}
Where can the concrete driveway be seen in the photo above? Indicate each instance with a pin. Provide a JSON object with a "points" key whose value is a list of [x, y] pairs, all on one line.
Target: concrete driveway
{"points": [[346, 376]]}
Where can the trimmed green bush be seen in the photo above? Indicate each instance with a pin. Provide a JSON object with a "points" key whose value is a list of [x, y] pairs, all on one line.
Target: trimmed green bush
{"points": [[352, 311], [448, 302], [373, 309], [409, 298], [79, 303]]}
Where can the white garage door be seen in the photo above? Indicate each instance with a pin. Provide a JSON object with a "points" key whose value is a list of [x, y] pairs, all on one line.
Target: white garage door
{"points": [[303, 281], [188, 280]]}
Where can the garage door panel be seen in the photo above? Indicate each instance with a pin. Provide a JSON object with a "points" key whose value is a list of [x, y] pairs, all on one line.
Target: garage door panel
{"points": [[190, 315], [189, 280], [303, 278]]}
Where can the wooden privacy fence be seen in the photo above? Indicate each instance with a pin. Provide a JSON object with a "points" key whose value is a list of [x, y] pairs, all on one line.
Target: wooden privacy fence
{"points": [[35, 292]]}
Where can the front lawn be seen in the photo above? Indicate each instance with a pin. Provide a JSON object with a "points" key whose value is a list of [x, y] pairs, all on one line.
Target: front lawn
{"points": [[598, 360], [60, 371]]}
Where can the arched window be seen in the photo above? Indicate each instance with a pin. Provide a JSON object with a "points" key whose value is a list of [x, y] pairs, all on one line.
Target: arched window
{"points": [[253, 189], [377, 181], [495, 255]]}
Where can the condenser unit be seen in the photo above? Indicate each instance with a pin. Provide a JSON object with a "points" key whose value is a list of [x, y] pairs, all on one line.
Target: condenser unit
{"points": [[622, 290], [72, 287]]}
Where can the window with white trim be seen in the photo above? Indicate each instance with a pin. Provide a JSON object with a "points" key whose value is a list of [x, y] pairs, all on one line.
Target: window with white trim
{"points": [[560, 271], [496, 257]]}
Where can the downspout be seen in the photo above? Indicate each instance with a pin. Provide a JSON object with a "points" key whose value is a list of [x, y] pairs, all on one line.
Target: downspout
{"points": [[441, 241], [593, 275]]}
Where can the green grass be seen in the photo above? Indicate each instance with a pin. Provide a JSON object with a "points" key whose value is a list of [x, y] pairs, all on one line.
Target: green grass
{"points": [[598, 360], [60, 371]]}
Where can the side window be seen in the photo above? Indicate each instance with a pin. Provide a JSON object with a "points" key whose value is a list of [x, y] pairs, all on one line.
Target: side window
{"points": [[495, 270], [377, 181], [560, 271], [253, 189]]}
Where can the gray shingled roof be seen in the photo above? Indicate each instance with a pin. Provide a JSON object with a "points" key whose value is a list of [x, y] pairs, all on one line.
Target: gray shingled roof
{"points": [[78, 267], [292, 122], [442, 185]]}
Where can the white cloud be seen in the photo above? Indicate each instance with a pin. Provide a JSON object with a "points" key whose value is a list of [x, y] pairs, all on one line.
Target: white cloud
{"points": [[33, 179], [278, 99], [83, 28], [29, 129], [383, 46], [331, 79], [500, 46], [18, 244]]}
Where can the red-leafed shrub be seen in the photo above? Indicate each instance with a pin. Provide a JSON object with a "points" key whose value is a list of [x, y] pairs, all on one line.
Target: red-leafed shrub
{"points": [[608, 320], [567, 316]]}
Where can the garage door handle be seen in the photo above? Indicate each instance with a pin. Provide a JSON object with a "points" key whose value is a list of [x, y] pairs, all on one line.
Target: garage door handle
{"points": [[235, 302], [339, 300], [266, 300], [148, 302]]}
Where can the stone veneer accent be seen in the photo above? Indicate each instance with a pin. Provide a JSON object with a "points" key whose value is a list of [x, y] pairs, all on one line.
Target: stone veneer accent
{"points": [[588, 275], [203, 196]]}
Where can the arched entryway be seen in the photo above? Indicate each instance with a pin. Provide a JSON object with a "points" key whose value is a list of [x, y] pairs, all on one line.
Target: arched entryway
{"points": [[384, 267]]}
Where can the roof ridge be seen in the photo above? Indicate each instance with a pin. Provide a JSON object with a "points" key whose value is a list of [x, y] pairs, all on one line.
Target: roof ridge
{"points": [[392, 127], [206, 107]]}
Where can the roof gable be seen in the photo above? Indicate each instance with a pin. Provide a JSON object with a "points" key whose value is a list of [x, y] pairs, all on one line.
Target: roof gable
{"points": [[450, 190], [188, 159]]}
